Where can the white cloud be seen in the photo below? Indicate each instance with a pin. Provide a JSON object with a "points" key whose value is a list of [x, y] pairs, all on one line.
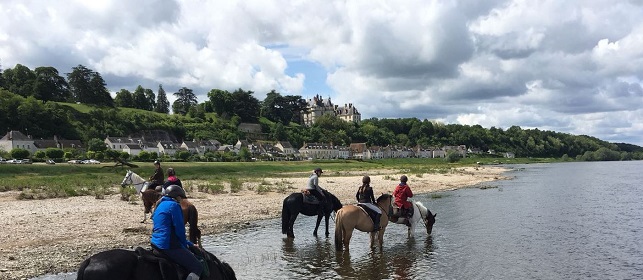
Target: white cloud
{"points": [[568, 66]]}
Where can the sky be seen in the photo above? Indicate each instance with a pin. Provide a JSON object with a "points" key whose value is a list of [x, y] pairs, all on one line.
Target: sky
{"points": [[567, 66]]}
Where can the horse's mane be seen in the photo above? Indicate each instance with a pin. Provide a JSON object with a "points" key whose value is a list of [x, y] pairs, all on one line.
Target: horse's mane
{"points": [[137, 176], [422, 208], [383, 197]]}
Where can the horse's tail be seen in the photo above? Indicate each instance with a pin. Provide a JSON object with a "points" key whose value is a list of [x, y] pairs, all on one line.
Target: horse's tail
{"points": [[285, 218], [339, 230], [81, 269]]}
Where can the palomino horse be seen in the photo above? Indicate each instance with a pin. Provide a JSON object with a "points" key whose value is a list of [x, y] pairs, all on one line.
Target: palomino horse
{"points": [[143, 264], [151, 196], [294, 204], [426, 217], [352, 217]]}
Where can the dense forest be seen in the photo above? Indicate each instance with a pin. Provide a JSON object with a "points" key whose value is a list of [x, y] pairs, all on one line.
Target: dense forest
{"points": [[42, 103]]}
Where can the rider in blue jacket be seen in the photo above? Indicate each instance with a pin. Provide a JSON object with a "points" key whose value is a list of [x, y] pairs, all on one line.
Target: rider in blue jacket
{"points": [[168, 234]]}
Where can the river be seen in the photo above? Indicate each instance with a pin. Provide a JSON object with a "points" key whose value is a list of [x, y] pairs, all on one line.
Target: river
{"points": [[580, 220]]}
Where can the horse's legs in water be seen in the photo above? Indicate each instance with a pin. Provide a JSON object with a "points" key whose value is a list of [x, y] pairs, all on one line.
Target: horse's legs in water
{"points": [[319, 218], [380, 238], [348, 233], [327, 233], [291, 224]]}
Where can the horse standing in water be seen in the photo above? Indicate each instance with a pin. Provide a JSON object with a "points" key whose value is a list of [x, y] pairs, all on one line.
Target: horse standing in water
{"points": [[151, 196], [352, 217], [294, 204], [425, 217], [144, 264]]}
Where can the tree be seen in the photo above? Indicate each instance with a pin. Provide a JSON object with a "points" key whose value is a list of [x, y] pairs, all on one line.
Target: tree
{"points": [[124, 99], [96, 145], [54, 153], [19, 153], [139, 98], [49, 85], [19, 80], [162, 104], [88, 87], [245, 105], [244, 154], [221, 102], [185, 99], [151, 99]]}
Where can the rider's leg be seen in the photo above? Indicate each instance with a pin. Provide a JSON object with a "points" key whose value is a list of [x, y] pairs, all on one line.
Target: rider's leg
{"points": [[186, 259]]}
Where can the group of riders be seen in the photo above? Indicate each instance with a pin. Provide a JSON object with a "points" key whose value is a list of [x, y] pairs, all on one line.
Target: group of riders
{"points": [[169, 236], [365, 197], [168, 232]]}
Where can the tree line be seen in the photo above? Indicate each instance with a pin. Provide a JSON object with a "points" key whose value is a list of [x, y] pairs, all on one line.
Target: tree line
{"points": [[42, 103]]}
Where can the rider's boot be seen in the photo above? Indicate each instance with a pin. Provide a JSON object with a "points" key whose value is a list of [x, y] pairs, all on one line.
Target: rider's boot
{"points": [[192, 276]]}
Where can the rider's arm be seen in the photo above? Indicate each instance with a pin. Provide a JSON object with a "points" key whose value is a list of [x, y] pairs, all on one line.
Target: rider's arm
{"points": [[179, 226], [409, 193]]}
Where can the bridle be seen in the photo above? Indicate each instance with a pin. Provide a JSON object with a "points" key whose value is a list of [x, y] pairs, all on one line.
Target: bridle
{"points": [[129, 181]]}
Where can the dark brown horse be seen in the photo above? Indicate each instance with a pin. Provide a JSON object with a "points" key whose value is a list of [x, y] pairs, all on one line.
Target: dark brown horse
{"points": [[150, 197], [142, 264], [294, 204], [352, 217]]}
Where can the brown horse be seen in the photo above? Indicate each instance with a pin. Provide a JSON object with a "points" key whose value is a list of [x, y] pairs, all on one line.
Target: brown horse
{"points": [[150, 197], [352, 217]]}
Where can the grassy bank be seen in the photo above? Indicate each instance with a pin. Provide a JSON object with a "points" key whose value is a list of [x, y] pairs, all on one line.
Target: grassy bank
{"points": [[39, 181]]}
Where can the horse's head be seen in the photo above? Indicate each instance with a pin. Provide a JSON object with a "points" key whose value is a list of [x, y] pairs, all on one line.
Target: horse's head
{"points": [[335, 203], [127, 180], [384, 201], [429, 218]]}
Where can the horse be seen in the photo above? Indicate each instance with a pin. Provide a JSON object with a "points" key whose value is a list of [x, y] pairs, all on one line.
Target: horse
{"points": [[425, 216], [294, 204], [352, 217], [150, 197], [143, 264]]}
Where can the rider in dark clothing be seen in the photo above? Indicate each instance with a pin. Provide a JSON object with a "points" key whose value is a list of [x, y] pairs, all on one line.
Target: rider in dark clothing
{"points": [[171, 179], [365, 196], [157, 178]]}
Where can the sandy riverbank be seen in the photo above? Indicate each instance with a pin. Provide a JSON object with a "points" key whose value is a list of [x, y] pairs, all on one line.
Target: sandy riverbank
{"points": [[55, 235]]}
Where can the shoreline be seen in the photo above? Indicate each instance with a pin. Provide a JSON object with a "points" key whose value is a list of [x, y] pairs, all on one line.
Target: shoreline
{"points": [[55, 235]]}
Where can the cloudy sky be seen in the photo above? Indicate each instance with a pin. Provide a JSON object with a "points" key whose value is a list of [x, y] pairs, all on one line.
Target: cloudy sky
{"points": [[567, 66]]}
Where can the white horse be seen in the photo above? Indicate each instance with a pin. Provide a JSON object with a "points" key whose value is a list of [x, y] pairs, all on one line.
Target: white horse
{"points": [[425, 216], [141, 186]]}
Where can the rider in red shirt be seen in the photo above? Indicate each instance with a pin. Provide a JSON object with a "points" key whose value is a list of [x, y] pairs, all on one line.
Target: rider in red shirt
{"points": [[402, 193]]}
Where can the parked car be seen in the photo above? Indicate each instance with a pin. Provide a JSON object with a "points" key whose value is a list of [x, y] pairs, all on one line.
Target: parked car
{"points": [[93, 161], [26, 161], [74, 161], [50, 161], [2, 161], [14, 161]]}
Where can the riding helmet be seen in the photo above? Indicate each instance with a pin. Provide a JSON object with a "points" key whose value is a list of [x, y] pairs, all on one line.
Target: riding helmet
{"points": [[403, 179], [157, 162], [175, 190], [318, 170], [366, 179]]}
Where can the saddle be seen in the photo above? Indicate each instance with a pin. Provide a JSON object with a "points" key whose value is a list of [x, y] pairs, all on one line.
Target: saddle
{"points": [[168, 268], [309, 198], [401, 213], [370, 212]]}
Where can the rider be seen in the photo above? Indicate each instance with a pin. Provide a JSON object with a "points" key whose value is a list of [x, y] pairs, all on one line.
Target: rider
{"points": [[157, 178], [168, 234], [313, 185], [365, 197], [171, 179], [402, 193]]}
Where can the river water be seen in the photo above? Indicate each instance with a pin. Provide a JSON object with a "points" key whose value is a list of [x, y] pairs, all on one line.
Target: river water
{"points": [[551, 221]]}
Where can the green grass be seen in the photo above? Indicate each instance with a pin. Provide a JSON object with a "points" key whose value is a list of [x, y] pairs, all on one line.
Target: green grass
{"points": [[39, 181]]}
